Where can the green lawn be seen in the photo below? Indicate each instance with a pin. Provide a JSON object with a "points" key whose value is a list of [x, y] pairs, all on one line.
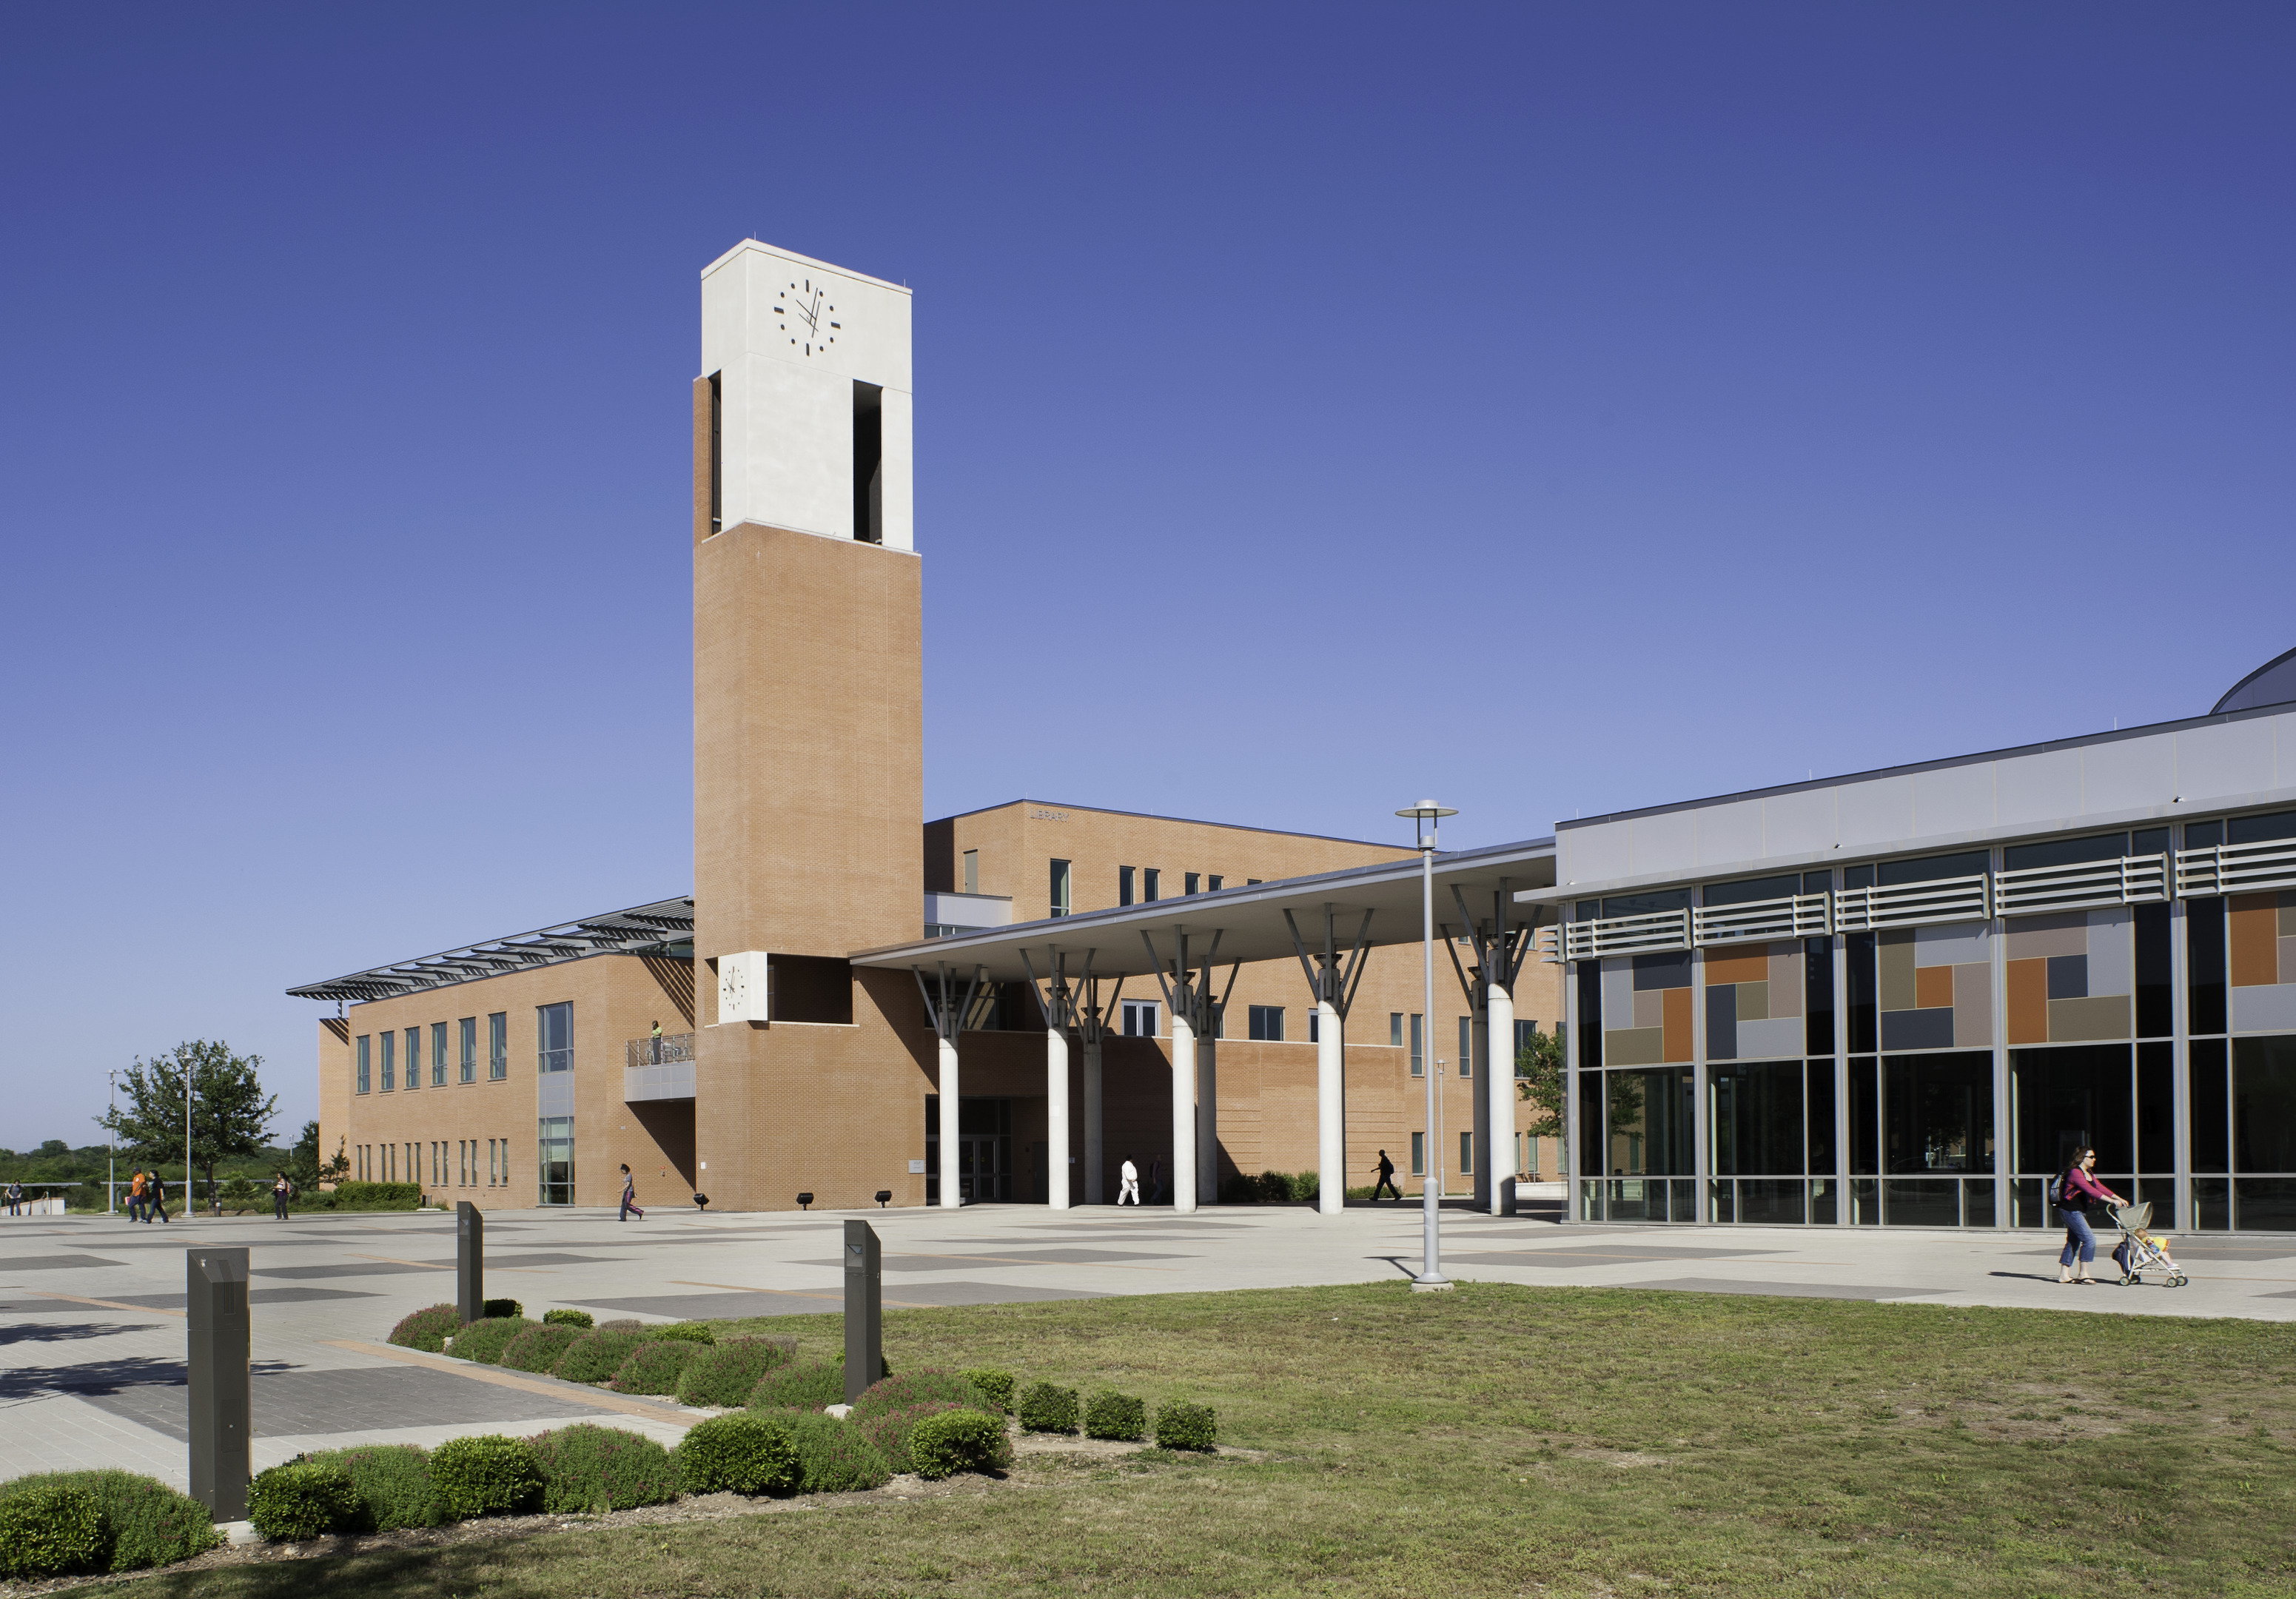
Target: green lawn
{"points": [[1519, 1440]]}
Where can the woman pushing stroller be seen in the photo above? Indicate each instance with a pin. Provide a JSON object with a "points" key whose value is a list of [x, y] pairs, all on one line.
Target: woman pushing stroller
{"points": [[2073, 1193]]}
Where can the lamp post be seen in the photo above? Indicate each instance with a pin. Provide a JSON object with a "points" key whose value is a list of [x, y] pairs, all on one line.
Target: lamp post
{"points": [[111, 1141], [1425, 817]]}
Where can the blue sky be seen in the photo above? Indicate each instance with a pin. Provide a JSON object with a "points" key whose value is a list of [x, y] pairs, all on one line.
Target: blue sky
{"points": [[1551, 409]]}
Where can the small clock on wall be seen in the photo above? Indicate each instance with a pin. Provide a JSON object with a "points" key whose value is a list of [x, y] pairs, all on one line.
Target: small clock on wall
{"points": [[806, 316]]}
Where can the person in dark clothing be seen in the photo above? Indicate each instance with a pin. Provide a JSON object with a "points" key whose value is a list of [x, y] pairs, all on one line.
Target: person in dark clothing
{"points": [[1156, 1181], [629, 1195], [1386, 1180], [156, 1199], [280, 1189]]}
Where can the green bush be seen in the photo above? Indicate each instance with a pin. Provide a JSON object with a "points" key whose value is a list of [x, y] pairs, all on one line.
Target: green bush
{"points": [[373, 1196], [993, 1384], [808, 1385], [959, 1440], [393, 1485], [146, 1522], [487, 1476], [539, 1347], [1112, 1415], [238, 1196], [653, 1367], [724, 1375], [47, 1531], [303, 1499], [484, 1341], [501, 1308], [832, 1456], [1186, 1426], [427, 1329], [572, 1318], [1045, 1408], [592, 1468], [918, 1388], [889, 1431], [595, 1356], [742, 1454], [689, 1332]]}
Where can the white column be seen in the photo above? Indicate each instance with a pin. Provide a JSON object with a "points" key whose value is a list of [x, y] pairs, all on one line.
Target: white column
{"points": [[1184, 1113], [1499, 1093], [1478, 1116], [1094, 1176], [1056, 1116], [1207, 1121], [950, 1196], [1330, 1111]]}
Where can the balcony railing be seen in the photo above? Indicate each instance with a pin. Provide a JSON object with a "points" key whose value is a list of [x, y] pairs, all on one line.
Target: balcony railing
{"points": [[2237, 868], [661, 1050], [658, 1067], [2039, 891]]}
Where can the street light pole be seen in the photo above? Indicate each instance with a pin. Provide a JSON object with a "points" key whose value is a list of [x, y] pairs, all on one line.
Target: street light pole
{"points": [[111, 1141], [1425, 817]]}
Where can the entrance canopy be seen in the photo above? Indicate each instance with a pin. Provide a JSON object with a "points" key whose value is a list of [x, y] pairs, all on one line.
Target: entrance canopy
{"points": [[1249, 922]]}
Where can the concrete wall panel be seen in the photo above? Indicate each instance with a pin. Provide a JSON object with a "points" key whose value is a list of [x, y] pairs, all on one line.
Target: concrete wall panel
{"points": [[1799, 823], [1596, 854], [1951, 944], [1768, 1040], [2224, 760], [1668, 842], [1730, 832], [1954, 799], [1876, 813], [2042, 787], [2111, 956], [2128, 774], [2271, 1010]]}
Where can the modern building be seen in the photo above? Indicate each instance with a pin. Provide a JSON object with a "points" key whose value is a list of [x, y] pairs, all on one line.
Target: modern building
{"points": [[783, 1034]]}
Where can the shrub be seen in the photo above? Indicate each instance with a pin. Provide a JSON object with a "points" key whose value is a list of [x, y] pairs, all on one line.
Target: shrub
{"points": [[1307, 1187], [587, 1467], [993, 1384], [572, 1318], [738, 1455], [1186, 1426], [918, 1388], [501, 1308], [626, 1324], [304, 1498], [488, 1476], [484, 1341], [808, 1385], [890, 1429], [689, 1331], [832, 1456], [959, 1440], [375, 1196], [595, 1356], [1045, 1408], [1112, 1415], [392, 1483], [653, 1367], [723, 1375], [47, 1531], [538, 1347], [427, 1329], [146, 1522]]}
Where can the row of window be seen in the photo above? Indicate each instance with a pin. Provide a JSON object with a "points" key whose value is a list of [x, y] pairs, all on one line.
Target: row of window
{"points": [[453, 1160], [1265, 1025], [1149, 881], [1524, 1033], [554, 1032]]}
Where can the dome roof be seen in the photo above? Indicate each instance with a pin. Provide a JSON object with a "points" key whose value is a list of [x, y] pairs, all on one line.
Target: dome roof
{"points": [[2272, 684]]}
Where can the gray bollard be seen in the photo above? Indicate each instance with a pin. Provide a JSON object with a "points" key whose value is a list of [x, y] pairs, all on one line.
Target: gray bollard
{"points": [[865, 1309], [469, 1261], [222, 1419]]}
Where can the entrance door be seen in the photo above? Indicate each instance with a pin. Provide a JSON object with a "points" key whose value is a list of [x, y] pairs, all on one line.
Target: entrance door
{"points": [[979, 1176]]}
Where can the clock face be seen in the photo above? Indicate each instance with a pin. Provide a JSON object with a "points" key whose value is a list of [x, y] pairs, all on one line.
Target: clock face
{"points": [[807, 317]]}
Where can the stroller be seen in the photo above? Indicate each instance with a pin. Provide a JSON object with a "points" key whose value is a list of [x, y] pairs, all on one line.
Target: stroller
{"points": [[2140, 1250]]}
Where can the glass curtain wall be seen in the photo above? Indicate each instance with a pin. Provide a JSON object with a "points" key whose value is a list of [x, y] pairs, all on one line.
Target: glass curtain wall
{"points": [[2241, 971], [557, 1159]]}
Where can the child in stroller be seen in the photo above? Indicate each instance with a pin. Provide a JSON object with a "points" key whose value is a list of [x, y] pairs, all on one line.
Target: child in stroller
{"points": [[2140, 1250]]}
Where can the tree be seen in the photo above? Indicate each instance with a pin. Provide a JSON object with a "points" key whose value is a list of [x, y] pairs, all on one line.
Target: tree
{"points": [[230, 1115], [1538, 1068], [305, 1167]]}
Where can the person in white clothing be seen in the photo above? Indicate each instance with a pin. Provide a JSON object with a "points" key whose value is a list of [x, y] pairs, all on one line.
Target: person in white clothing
{"points": [[1130, 1187]]}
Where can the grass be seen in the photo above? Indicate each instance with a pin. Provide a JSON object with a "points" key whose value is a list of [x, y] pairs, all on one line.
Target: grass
{"points": [[1505, 1441]]}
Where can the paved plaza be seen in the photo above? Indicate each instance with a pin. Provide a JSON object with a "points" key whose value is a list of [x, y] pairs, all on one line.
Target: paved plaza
{"points": [[92, 1330]]}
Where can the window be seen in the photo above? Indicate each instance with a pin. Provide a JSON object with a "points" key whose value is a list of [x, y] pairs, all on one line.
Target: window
{"points": [[1418, 1046], [1124, 885], [413, 1057], [437, 1054], [1213, 883], [498, 1046], [1395, 1030], [1140, 1018], [1418, 1154], [1315, 1025], [1250, 882], [717, 454], [491, 1163], [389, 1062], [1466, 1153], [1150, 877], [1267, 1023], [972, 871], [1059, 897], [470, 1030], [868, 462], [1466, 1047], [556, 1165], [362, 1084], [1526, 1036], [554, 1032], [1192, 883]]}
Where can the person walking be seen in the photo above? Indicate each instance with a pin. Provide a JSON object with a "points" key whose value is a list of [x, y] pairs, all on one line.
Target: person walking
{"points": [[631, 1185], [1156, 1181], [2075, 1192], [135, 1195], [280, 1189], [15, 1197], [1386, 1180], [157, 1196], [1129, 1188]]}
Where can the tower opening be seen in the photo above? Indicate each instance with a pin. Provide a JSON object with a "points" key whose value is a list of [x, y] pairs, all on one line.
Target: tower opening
{"points": [[868, 462]]}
